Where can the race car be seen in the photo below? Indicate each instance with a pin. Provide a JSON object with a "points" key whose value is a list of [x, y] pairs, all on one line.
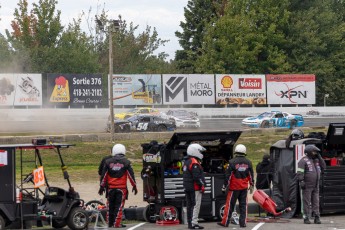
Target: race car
{"points": [[274, 119], [184, 119], [148, 122], [136, 111], [120, 126]]}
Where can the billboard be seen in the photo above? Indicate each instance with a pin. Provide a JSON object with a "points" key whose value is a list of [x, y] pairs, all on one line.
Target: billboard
{"points": [[290, 89], [20, 89], [137, 89], [240, 89], [188, 89], [75, 89]]}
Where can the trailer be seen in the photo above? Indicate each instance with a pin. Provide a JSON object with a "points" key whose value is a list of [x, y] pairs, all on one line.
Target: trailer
{"points": [[22, 202], [163, 178], [285, 189]]}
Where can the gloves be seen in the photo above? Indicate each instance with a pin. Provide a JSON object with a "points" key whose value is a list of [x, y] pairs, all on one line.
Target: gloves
{"points": [[135, 190], [251, 189], [202, 190], [101, 191], [302, 184], [223, 189]]}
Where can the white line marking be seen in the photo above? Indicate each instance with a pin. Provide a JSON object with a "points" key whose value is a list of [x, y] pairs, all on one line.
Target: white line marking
{"points": [[138, 225], [258, 226]]}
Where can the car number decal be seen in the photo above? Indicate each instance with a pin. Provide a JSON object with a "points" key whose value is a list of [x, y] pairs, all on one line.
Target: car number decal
{"points": [[142, 126]]}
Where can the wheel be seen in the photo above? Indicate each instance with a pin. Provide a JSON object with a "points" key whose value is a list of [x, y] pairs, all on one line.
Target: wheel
{"points": [[161, 128], [59, 224], [149, 214], [220, 212], [93, 205], [2, 223], [77, 219], [293, 124], [265, 124], [168, 213]]}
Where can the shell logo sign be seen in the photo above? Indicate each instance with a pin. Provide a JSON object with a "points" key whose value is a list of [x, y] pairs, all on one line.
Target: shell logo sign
{"points": [[61, 90], [227, 82]]}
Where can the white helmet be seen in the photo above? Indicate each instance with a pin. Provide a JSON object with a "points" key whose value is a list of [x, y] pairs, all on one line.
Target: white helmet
{"points": [[195, 150], [241, 149], [118, 149]]}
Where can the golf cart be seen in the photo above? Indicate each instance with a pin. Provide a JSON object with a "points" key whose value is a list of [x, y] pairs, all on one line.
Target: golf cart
{"points": [[22, 202], [285, 157], [163, 178]]}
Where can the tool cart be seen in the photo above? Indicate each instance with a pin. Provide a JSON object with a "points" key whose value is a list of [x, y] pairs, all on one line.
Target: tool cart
{"points": [[163, 178]]}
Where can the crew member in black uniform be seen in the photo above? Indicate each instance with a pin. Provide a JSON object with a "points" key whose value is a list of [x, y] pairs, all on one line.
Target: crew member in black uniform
{"points": [[194, 183], [308, 174], [264, 173], [115, 174], [238, 175]]}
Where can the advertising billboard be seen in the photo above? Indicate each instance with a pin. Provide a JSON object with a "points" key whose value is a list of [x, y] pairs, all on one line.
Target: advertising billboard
{"points": [[290, 89], [20, 89], [188, 89], [75, 89], [240, 89], [137, 89]]}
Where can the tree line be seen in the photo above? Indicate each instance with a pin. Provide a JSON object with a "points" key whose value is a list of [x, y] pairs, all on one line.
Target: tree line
{"points": [[217, 36]]}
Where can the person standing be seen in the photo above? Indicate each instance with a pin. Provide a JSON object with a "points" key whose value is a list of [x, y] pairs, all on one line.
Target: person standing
{"points": [[308, 175], [237, 177], [194, 183], [115, 173], [263, 173]]}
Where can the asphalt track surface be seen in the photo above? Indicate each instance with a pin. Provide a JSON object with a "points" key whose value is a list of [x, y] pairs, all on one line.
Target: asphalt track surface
{"points": [[80, 124]]}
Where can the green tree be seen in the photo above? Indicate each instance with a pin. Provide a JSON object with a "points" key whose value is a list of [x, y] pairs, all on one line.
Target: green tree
{"points": [[316, 42], [247, 39], [199, 14]]}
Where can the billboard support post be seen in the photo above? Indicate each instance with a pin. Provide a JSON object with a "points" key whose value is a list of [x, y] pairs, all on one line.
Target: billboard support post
{"points": [[324, 99]]}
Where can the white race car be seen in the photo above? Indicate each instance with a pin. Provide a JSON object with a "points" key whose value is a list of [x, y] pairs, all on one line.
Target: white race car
{"points": [[184, 119]]}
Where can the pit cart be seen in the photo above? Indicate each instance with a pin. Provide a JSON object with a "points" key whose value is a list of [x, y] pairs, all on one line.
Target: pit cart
{"points": [[22, 202], [285, 190], [163, 178]]}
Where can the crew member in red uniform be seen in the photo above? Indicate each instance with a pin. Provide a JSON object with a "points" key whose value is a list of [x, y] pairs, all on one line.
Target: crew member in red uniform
{"points": [[238, 175], [115, 173], [194, 183]]}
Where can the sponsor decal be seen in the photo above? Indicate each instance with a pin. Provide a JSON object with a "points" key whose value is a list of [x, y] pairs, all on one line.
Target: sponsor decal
{"points": [[227, 82], [148, 157], [292, 93], [249, 83], [121, 79]]}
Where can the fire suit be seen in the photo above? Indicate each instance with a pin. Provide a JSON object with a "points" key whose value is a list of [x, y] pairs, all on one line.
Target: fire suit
{"points": [[238, 175], [116, 172], [194, 184], [308, 174]]}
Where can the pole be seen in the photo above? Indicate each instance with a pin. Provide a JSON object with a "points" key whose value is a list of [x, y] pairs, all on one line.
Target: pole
{"points": [[111, 94]]}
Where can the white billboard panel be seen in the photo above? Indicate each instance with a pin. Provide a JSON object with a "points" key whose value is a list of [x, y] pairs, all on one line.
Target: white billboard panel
{"points": [[188, 89], [290, 89], [240, 89], [21, 89]]}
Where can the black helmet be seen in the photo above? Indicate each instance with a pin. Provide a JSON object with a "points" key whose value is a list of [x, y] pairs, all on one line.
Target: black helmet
{"points": [[297, 134], [311, 148]]}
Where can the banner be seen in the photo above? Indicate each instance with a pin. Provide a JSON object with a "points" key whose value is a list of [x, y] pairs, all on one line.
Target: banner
{"points": [[240, 89], [75, 89], [188, 89], [290, 89], [137, 89], [20, 89]]}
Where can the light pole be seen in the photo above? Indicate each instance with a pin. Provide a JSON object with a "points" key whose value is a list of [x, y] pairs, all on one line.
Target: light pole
{"points": [[324, 99], [114, 25]]}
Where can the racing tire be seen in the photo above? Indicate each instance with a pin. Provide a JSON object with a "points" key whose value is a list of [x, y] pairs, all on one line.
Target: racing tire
{"points": [[78, 219], [265, 124], [168, 213], [2, 222], [127, 129], [293, 124], [59, 224], [149, 213], [161, 128], [220, 212]]}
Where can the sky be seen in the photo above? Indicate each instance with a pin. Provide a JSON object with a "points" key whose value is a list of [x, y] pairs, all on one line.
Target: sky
{"points": [[164, 15]]}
